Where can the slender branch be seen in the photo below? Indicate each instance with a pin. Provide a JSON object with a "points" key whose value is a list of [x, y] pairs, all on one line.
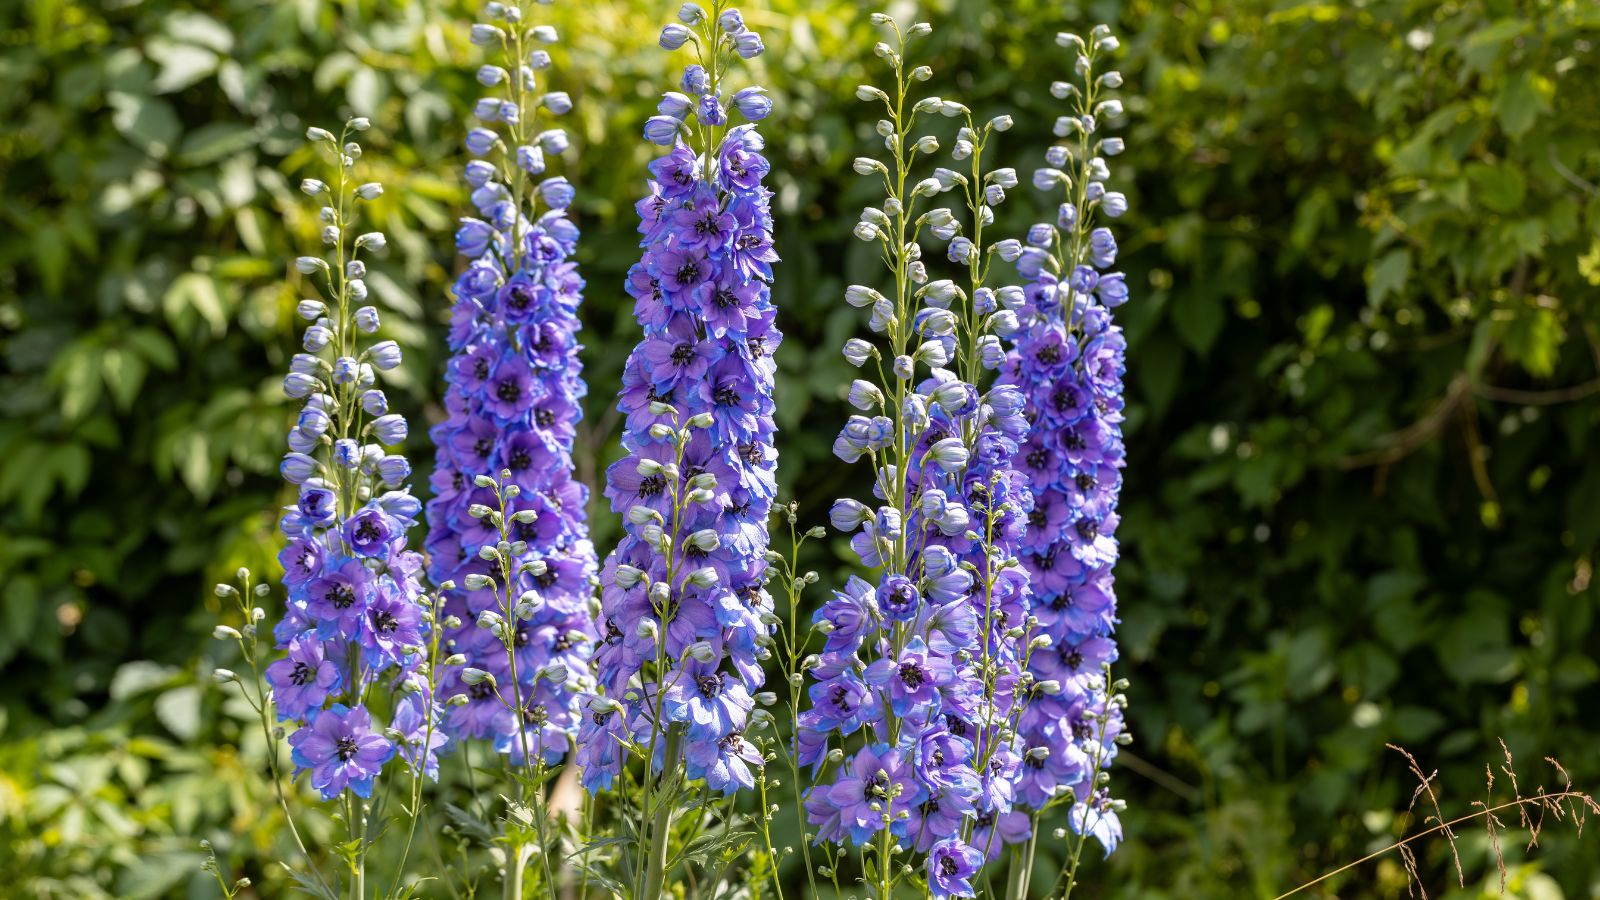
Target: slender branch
{"points": [[1563, 795]]}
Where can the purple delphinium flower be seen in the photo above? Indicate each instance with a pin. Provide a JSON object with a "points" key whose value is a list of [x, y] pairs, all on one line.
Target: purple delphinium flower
{"points": [[514, 394], [356, 614], [951, 865], [302, 680], [341, 751], [875, 783], [684, 624], [1066, 361]]}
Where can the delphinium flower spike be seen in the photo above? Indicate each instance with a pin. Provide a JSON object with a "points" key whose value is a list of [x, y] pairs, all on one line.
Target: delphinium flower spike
{"points": [[686, 619], [1067, 360], [507, 524], [913, 705], [356, 616]]}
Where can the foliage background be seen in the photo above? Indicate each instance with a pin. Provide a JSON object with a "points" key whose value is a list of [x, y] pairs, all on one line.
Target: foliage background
{"points": [[1363, 500]]}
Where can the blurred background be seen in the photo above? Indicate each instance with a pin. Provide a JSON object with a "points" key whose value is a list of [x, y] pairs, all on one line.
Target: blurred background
{"points": [[1363, 493]]}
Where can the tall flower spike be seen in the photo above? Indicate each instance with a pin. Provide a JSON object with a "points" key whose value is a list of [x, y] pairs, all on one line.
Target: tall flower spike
{"points": [[356, 613], [1067, 361], [686, 619], [917, 689], [508, 516]]}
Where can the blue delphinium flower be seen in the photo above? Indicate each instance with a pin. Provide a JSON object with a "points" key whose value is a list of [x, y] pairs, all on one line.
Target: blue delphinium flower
{"points": [[341, 751], [356, 614], [514, 392], [951, 865], [1067, 362], [685, 615]]}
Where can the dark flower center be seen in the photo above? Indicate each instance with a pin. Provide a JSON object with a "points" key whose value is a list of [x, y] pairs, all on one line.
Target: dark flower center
{"points": [[341, 596], [301, 675], [519, 297], [956, 726], [1036, 518], [725, 299], [480, 369], [480, 691], [1037, 457], [483, 447], [711, 685], [1072, 658], [508, 391], [683, 354], [727, 396], [876, 788], [520, 459], [544, 418], [840, 698], [384, 622], [948, 867], [1085, 482], [912, 675], [652, 486], [345, 748], [367, 532], [688, 273], [535, 715], [1050, 355], [1087, 529]]}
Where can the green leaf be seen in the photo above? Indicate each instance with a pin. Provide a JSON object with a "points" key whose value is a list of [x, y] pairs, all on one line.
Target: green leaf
{"points": [[179, 710], [1198, 318], [181, 64], [156, 875], [1475, 644], [196, 292], [1160, 372], [1532, 340], [139, 677], [198, 29], [214, 141], [1518, 104], [149, 123], [1500, 188], [1388, 276]]}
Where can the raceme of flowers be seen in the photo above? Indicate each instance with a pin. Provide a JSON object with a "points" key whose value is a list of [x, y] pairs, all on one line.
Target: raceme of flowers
{"points": [[924, 663], [1068, 361], [685, 616], [355, 616], [514, 390]]}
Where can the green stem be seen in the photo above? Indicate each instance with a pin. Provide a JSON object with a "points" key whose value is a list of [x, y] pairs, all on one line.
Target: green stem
{"points": [[516, 862], [661, 828], [1017, 880]]}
